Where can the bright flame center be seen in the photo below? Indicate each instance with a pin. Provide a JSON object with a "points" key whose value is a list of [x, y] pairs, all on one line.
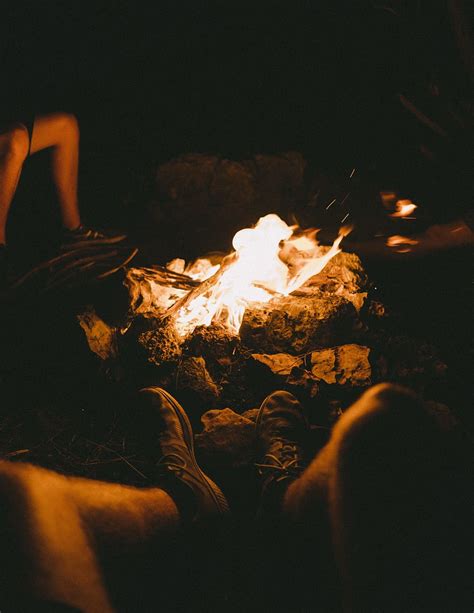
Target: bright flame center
{"points": [[269, 261]]}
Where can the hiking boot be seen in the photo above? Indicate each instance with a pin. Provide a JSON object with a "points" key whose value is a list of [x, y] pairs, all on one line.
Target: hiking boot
{"points": [[84, 236], [195, 494], [282, 429]]}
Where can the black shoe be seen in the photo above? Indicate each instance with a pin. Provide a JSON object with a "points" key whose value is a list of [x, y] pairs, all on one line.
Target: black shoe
{"points": [[182, 477], [282, 430], [83, 236]]}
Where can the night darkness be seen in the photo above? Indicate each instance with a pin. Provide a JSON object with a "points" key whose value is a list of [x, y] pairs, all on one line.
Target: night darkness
{"points": [[152, 81], [170, 77]]}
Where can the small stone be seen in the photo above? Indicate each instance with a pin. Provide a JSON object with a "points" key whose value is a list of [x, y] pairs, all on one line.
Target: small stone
{"points": [[161, 344], [353, 365], [251, 414], [228, 439], [279, 363], [193, 376], [101, 338], [342, 365], [324, 365]]}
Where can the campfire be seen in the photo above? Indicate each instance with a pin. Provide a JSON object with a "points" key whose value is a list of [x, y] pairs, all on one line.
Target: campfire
{"points": [[280, 311], [270, 260], [223, 327]]}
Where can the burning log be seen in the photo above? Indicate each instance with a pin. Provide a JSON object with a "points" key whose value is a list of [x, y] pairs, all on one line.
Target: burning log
{"points": [[200, 289]]}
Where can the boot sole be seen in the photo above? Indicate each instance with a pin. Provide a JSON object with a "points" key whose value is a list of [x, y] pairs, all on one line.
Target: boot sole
{"points": [[217, 495]]}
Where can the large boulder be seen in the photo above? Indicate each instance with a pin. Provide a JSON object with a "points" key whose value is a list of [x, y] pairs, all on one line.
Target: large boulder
{"points": [[208, 196]]}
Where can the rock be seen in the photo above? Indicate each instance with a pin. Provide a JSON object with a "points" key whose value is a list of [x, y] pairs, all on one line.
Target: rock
{"points": [[296, 324], [228, 439], [323, 365], [101, 338], [352, 365], [279, 180], [303, 378], [214, 342], [344, 365], [193, 376], [160, 344], [251, 414], [279, 363], [342, 276], [210, 196]]}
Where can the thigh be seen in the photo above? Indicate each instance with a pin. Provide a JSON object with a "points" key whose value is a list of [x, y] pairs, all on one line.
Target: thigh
{"points": [[53, 129]]}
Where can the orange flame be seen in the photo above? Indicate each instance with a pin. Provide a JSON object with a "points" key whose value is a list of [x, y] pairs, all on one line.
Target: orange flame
{"points": [[269, 261], [403, 208], [401, 244]]}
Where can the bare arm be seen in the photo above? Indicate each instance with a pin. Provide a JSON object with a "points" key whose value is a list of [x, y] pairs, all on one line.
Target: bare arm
{"points": [[434, 239]]}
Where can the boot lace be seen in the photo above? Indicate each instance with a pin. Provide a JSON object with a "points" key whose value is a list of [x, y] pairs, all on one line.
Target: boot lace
{"points": [[172, 462], [285, 462], [91, 234]]}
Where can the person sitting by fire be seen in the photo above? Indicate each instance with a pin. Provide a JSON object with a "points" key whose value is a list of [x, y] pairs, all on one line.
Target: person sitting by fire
{"points": [[417, 128], [369, 524], [22, 137]]}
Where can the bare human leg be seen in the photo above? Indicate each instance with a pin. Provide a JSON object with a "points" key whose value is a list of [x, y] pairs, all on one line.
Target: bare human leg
{"points": [[62, 537], [60, 132], [14, 142], [380, 489], [57, 534]]}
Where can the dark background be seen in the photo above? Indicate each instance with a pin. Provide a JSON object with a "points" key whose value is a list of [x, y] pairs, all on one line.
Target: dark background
{"points": [[149, 81], [177, 76]]}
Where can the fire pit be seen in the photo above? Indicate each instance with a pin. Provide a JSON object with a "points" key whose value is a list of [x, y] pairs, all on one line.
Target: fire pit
{"points": [[219, 327], [278, 312]]}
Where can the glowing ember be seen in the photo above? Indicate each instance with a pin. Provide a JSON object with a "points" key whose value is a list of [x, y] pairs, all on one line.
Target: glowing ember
{"points": [[403, 208], [268, 261]]}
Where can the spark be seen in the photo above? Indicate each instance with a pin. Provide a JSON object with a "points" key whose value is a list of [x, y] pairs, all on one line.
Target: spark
{"points": [[345, 197], [352, 173], [345, 217], [331, 203]]}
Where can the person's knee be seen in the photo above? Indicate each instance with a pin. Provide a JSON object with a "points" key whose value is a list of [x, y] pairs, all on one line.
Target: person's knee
{"points": [[382, 403], [10, 478], [15, 144], [68, 125], [389, 394]]}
